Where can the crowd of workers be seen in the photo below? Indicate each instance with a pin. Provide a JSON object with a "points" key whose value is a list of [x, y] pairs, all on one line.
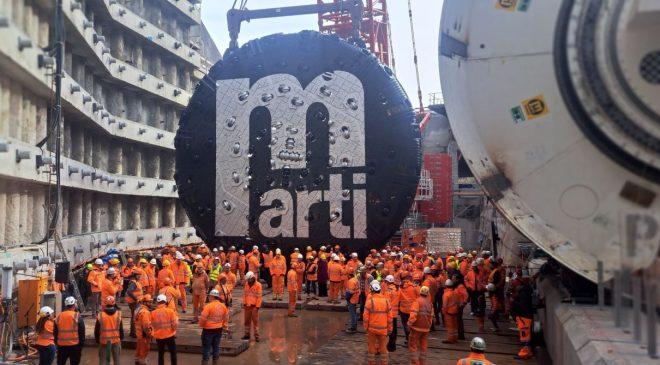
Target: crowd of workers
{"points": [[423, 290]]}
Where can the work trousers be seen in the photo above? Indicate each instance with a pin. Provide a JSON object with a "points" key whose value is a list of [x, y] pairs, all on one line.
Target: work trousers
{"points": [[198, 303], [292, 302], [142, 347], [391, 343], [46, 354], [417, 346], [323, 289], [525, 334], [334, 290], [437, 306], [451, 323], [71, 353], [352, 316], [478, 303], [362, 301], [107, 351], [251, 320], [183, 299], [124, 287], [211, 343], [377, 349], [311, 288], [93, 303], [278, 285], [461, 325], [404, 323], [170, 343], [131, 307]]}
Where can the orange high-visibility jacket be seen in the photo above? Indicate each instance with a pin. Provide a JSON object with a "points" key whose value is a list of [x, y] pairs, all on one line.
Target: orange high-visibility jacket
{"points": [[312, 272], [334, 271], [181, 272], [46, 337], [377, 315], [173, 294], [474, 359], [252, 294], [214, 315], [126, 271], [267, 257], [354, 288], [67, 328], [432, 284], [462, 294], [165, 273], [109, 288], [407, 295], [95, 279], [164, 322], [137, 292], [142, 318], [109, 327], [421, 314], [394, 296], [233, 260], [451, 300], [253, 263], [278, 265], [292, 283]]}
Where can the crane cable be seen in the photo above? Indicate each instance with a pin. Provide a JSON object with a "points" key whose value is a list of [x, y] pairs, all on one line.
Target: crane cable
{"points": [[412, 34]]}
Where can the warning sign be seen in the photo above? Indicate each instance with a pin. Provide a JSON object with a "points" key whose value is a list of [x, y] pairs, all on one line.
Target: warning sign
{"points": [[535, 107]]}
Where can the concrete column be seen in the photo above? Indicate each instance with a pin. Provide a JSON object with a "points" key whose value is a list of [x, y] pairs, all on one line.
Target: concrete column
{"points": [[98, 91], [97, 210], [42, 120], [13, 215], [117, 103], [39, 224], [64, 218], [157, 16], [157, 66], [5, 97], [66, 139], [104, 212], [17, 14], [75, 212], [101, 153], [24, 226], [77, 144], [115, 214], [154, 213], [134, 218], [88, 151], [169, 213], [144, 212], [152, 164], [115, 159], [6, 7], [88, 85], [68, 60], [27, 120], [15, 115], [173, 72], [3, 201], [167, 163], [117, 45], [185, 79], [135, 163], [137, 57], [134, 108], [181, 217], [78, 72], [44, 31], [87, 211]]}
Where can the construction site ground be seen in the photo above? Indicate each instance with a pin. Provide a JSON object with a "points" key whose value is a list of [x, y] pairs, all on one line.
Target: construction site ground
{"points": [[316, 336]]}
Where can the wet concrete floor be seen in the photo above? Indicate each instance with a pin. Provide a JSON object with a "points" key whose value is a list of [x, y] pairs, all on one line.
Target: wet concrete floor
{"points": [[283, 340]]}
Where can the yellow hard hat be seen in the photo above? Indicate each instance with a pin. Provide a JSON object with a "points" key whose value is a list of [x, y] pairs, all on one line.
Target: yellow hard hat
{"points": [[451, 265], [166, 263], [424, 290]]}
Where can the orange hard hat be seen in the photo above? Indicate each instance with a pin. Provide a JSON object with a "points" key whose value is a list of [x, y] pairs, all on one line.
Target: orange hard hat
{"points": [[130, 260]]}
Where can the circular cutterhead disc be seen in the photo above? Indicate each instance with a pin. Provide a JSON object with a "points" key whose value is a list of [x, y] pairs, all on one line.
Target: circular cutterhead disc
{"points": [[298, 139]]}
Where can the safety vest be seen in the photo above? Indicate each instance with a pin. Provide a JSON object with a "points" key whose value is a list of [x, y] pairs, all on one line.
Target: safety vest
{"points": [[312, 272], [474, 359], [393, 295], [292, 283], [213, 275], [46, 336], [407, 296], [450, 301], [67, 328], [421, 314], [334, 271], [142, 320], [214, 316], [109, 327], [354, 288], [277, 265], [377, 318], [164, 322], [252, 294], [181, 273], [137, 292]]}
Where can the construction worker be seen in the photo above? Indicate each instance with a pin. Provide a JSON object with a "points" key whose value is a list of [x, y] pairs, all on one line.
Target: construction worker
{"points": [[299, 265], [212, 321], [277, 267], [231, 277], [232, 259], [420, 321], [151, 274], [450, 304], [215, 270], [200, 284], [171, 293], [242, 265], [110, 286], [311, 277], [392, 291], [378, 325], [95, 279], [495, 288], [164, 322], [182, 275], [143, 329], [522, 310], [253, 261], [252, 293], [292, 288], [476, 356], [126, 272], [224, 290], [334, 276], [69, 330], [353, 299], [165, 273], [407, 296], [45, 342], [475, 282], [133, 295], [459, 288], [108, 332]]}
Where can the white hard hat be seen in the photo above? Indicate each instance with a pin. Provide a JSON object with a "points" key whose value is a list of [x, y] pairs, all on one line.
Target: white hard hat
{"points": [[296, 249], [179, 255], [46, 311], [383, 251], [69, 301], [241, 252], [203, 245], [161, 298], [490, 287], [222, 248], [322, 248], [111, 271], [474, 264], [198, 257], [478, 343], [393, 254], [255, 248], [98, 262], [480, 260], [375, 285], [278, 251], [389, 278], [427, 270], [227, 266], [354, 255], [249, 275], [232, 247], [215, 249], [300, 256], [448, 282], [214, 293], [153, 262], [335, 257]]}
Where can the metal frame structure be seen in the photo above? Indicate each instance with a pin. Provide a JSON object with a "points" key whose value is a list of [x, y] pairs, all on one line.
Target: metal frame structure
{"points": [[374, 28]]}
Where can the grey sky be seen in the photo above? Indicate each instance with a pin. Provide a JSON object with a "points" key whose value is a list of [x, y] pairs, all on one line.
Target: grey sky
{"points": [[426, 15]]}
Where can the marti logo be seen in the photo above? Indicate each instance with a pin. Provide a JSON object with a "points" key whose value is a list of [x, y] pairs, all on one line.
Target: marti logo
{"points": [[291, 160]]}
